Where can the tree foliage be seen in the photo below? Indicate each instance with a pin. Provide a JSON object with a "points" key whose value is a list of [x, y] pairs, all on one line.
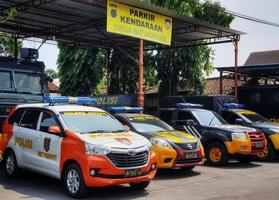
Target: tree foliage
{"points": [[7, 41], [80, 69], [184, 68], [52, 73]]}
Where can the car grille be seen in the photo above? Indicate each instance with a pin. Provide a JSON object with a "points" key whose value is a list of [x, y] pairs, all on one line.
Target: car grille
{"points": [[257, 137], [122, 160], [186, 147], [185, 161]]}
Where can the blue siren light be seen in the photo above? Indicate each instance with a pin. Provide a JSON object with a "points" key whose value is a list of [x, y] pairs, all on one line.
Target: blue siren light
{"points": [[70, 100], [233, 106], [188, 105], [124, 109]]}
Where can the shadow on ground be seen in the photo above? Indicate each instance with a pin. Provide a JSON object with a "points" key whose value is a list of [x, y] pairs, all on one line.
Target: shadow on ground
{"points": [[237, 165], [31, 185], [167, 174]]}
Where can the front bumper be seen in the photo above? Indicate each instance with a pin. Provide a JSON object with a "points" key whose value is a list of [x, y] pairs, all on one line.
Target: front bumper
{"points": [[275, 140], [171, 158], [245, 147], [107, 174]]}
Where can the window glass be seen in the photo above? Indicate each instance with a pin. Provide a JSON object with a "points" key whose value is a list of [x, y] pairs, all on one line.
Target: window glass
{"points": [[5, 80], [166, 116], [232, 118], [30, 119], [149, 124], [16, 116], [253, 117], [91, 122], [47, 121], [27, 81], [184, 115], [226, 115], [208, 118]]}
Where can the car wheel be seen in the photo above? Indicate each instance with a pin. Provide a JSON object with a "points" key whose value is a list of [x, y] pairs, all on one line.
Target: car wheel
{"points": [[140, 185], [245, 159], [73, 181], [11, 167], [216, 154], [268, 152]]}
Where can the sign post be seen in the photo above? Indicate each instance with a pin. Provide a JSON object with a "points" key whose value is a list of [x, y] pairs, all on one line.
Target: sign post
{"points": [[145, 25]]}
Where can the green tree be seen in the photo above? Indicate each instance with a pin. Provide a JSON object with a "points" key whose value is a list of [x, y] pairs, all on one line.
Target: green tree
{"points": [[7, 41], [80, 69], [124, 72], [52, 73], [183, 69]]}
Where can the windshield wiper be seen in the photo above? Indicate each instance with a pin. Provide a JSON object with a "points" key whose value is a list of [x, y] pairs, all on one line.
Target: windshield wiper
{"points": [[96, 131], [117, 131]]}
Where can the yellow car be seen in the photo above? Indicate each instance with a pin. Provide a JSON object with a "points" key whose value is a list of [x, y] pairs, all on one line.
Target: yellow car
{"points": [[174, 149]]}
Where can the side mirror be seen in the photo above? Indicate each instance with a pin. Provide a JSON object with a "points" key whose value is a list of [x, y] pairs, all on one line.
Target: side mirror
{"points": [[54, 130], [239, 121], [127, 128], [190, 122]]}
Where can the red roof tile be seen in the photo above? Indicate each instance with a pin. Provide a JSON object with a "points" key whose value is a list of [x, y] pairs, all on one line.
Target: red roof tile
{"points": [[263, 58]]}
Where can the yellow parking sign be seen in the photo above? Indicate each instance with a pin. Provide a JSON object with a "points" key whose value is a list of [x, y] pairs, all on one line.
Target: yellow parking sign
{"points": [[139, 23]]}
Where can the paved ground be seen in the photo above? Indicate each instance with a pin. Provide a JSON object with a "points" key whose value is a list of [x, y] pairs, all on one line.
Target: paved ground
{"points": [[255, 181]]}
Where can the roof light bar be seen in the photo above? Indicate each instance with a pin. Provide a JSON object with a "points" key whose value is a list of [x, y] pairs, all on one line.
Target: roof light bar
{"points": [[70, 100], [233, 106], [124, 109], [188, 105]]}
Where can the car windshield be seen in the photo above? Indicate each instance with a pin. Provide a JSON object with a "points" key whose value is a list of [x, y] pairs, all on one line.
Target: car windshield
{"points": [[19, 87], [91, 122], [252, 116], [208, 118], [149, 124]]}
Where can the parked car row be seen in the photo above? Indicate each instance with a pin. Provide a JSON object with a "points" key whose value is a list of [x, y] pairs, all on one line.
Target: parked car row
{"points": [[84, 146]]}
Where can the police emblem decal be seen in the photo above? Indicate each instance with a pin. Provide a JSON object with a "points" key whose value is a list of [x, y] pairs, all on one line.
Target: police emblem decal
{"points": [[47, 144]]}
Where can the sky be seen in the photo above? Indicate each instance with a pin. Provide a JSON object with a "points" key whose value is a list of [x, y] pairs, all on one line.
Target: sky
{"points": [[258, 37]]}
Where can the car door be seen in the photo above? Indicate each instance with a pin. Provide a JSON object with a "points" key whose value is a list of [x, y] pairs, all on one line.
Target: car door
{"points": [[25, 138], [48, 144], [182, 119]]}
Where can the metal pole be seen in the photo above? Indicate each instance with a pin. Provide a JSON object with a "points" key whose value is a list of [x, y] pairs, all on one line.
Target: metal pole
{"points": [[221, 81], [15, 47], [235, 67], [140, 94]]}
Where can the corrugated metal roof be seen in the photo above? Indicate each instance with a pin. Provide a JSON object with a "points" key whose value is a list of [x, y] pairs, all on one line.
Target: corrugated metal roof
{"points": [[84, 22]]}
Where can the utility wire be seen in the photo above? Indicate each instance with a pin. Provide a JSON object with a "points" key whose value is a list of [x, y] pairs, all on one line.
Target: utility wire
{"points": [[239, 15]]}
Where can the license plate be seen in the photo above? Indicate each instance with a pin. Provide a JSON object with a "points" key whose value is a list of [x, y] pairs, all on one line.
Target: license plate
{"points": [[259, 144], [132, 172], [191, 155]]}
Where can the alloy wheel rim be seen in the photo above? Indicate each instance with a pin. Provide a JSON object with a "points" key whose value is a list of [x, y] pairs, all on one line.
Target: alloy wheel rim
{"points": [[264, 153], [215, 154], [10, 164], [73, 181]]}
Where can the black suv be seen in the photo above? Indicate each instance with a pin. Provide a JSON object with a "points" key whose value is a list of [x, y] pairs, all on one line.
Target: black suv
{"points": [[220, 140]]}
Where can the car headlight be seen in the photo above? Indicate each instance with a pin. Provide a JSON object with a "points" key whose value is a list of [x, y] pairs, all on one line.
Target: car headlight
{"points": [[275, 130], [149, 147], [161, 143], [96, 150], [239, 136]]}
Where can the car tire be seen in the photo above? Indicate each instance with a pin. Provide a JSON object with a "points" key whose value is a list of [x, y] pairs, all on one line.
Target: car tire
{"points": [[216, 154], [140, 186], [10, 164], [74, 182], [245, 159], [268, 153]]}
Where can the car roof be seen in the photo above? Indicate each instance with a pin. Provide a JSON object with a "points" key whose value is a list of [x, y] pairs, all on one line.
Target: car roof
{"points": [[188, 109], [61, 107]]}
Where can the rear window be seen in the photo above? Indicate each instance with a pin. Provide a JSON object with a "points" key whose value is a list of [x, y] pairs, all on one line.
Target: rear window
{"points": [[30, 119], [16, 116]]}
